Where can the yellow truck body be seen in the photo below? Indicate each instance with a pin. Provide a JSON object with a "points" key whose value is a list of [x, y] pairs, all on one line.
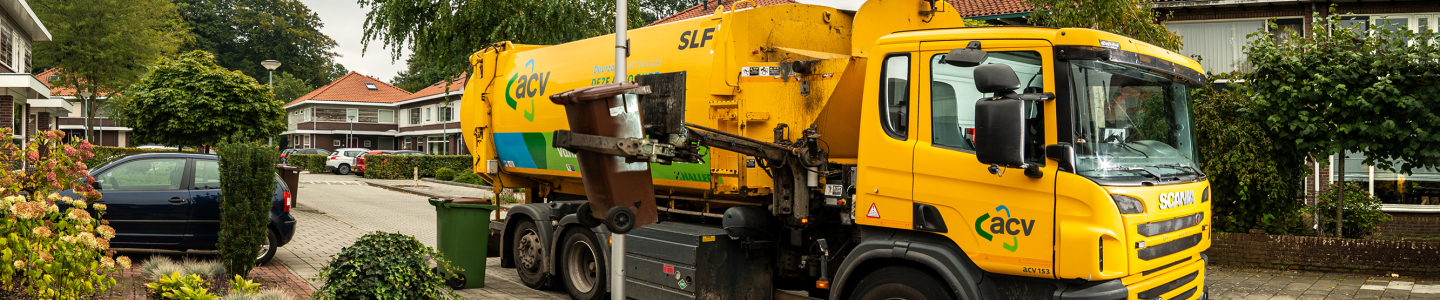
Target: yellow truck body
{"points": [[1062, 228]]}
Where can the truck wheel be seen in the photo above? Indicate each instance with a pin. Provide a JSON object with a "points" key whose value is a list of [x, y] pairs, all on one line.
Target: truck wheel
{"points": [[620, 219], [529, 254], [582, 267], [585, 217], [343, 170], [899, 282]]}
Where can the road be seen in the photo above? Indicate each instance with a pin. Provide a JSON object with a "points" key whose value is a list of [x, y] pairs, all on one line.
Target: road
{"points": [[334, 210]]}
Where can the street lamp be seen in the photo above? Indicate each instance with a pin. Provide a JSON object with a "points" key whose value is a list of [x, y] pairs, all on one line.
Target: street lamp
{"points": [[86, 111], [270, 65], [444, 121]]}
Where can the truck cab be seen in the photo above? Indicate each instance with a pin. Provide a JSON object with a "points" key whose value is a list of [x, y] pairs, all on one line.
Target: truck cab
{"points": [[1090, 180]]}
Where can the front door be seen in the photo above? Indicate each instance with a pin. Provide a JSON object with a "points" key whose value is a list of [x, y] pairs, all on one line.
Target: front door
{"points": [[1005, 223], [887, 141], [147, 201]]}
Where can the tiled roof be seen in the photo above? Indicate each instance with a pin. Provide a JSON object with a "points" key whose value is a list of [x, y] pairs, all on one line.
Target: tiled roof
{"points": [[700, 10], [978, 8], [439, 87], [351, 87], [44, 77]]}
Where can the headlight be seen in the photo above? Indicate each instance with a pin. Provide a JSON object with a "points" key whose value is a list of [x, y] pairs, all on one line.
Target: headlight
{"points": [[1205, 197], [1127, 204]]}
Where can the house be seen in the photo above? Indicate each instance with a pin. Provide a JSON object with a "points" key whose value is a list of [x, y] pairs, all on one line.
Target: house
{"points": [[430, 122], [26, 102], [354, 111], [106, 132]]}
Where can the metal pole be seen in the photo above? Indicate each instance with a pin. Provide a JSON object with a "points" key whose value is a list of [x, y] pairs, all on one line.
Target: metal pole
{"points": [[271, 140], [617, 246]]}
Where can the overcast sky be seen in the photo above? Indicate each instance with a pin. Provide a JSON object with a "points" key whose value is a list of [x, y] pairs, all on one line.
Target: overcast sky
{"points": [[345, 20]]}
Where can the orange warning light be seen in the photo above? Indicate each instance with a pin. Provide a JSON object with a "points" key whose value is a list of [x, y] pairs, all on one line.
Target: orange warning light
{"points": [[823, 284], [804, 220]]}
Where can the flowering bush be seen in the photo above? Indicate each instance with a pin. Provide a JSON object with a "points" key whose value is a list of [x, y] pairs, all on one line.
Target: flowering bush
{"points": [[46, 252]]}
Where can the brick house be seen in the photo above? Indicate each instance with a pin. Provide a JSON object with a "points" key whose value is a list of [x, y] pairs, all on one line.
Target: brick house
{"points": [[322, 118], [106, 131], [430, 122], [25, 104]]}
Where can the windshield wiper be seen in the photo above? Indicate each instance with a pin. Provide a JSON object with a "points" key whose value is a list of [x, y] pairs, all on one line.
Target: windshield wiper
{"points": [[1150, 172], [1185, 166]]}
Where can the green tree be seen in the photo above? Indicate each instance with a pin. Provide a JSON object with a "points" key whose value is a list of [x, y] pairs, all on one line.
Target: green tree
{"points": [[1252, 179], [442, 34], [1346, 89], [241, 33], [288, 88], [105, 45], [1131, 18], [191, 101]]}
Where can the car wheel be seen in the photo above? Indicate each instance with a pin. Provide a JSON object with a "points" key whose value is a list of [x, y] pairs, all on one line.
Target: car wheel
{"points": [[529, 254], [582, 267], [899, 282], [344, 169], [267, 249]]}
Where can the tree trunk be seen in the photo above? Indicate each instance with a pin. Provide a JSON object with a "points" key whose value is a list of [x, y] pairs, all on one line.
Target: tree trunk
{"points": [[1340, 199]]}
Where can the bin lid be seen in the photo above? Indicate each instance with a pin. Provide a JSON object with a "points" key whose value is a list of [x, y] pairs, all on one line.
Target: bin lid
{"points": [[464, 202], [287, 167], [594, 92]]}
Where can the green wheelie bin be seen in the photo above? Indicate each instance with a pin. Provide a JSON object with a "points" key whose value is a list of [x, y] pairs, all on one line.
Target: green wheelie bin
{"points": [[462, 231]]}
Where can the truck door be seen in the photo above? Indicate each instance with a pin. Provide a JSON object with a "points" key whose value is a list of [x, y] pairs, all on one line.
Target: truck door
{"points": [[887, 139], [1004, 222]]}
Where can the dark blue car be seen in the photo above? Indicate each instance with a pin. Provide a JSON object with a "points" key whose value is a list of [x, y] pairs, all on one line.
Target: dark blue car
{"points": [[172, 201]]}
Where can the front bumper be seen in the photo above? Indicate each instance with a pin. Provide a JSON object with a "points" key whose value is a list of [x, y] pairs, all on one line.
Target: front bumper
{"points": [[1182, 282]]}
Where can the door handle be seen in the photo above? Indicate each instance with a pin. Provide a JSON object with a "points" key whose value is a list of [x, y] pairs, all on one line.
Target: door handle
{"points": [[176, 200]]}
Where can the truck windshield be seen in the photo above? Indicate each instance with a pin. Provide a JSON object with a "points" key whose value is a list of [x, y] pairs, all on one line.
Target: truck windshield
{"points": [[1132, 125]]}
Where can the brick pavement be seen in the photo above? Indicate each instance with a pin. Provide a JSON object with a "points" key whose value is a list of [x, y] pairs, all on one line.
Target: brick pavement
{"points": [[333, 213], [1243, 283]]}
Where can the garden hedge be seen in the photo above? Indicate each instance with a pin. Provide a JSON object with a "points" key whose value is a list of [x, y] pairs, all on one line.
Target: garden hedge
{"points": [[402, 166], [315, 163], [247, 173]]}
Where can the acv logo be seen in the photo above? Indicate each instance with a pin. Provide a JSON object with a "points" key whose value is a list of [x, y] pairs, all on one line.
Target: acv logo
{"points": [[1004, 225], [531, 85], [1176, 199]]}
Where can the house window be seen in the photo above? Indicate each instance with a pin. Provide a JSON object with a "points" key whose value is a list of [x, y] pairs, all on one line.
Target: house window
{"points": [[367, 143], [447, 114], [337, 143], [387, 116], [307, 114], [407, 143], [1420, 187], [429, 114], [307, 141], [7, 46], [436, 145], [19, 119], [414, 116]]}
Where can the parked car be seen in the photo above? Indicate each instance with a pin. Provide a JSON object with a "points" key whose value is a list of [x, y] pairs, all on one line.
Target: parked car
{"points": [[343, 160], [172, 201], [360, 160], [285, 155]]}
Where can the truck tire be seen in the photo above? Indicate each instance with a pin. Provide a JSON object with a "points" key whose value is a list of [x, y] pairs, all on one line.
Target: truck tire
{"points": [[900, 282], [582, 267], [529, 253]]}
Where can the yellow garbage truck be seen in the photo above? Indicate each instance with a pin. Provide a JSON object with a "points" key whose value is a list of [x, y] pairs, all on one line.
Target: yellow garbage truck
{"points": [[884, 153]]}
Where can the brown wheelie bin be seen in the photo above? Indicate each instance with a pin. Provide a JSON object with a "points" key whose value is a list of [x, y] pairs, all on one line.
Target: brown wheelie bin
{"points": [[610, 181]]}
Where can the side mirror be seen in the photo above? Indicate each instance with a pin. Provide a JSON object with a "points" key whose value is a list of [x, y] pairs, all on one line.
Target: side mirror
{"points": [[969, 56], [95, 185], [999, 121], [1062, 153]]}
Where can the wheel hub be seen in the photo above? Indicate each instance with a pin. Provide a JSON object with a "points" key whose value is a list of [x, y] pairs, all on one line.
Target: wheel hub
{"points": [[530, 250]]}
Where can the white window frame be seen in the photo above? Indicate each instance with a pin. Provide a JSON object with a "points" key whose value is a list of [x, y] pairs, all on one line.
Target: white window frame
{"points": [[337, 143], [415, 116], [367, 143]]}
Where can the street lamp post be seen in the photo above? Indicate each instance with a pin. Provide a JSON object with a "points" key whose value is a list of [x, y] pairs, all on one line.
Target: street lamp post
{"points": [[270, 65], [444, 120], [85, 109]]}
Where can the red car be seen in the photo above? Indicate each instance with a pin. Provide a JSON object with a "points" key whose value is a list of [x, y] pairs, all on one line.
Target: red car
{"points": [[360, 160]]}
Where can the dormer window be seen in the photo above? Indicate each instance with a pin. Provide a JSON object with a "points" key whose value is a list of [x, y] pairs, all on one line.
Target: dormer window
{"points": [[370, 86]]}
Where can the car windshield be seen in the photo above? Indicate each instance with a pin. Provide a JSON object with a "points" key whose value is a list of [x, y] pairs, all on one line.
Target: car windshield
{"points": [[1132, 125]]}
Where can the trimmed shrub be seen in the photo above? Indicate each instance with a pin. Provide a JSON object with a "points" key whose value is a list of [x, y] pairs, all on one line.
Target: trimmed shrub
{"points": [[470, 178], [383, 265], [444, 174], [247, 173], [403, 166], [1362, 212], [315, 163]]}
